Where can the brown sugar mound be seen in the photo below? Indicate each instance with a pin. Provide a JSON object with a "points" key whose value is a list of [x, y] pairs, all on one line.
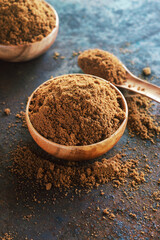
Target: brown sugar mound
{"points": [[25, 21], [76, 110], [29, 165], [140, 120], [102, 64]]}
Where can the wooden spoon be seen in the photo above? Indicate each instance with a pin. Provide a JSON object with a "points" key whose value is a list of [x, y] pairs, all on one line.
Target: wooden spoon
{"points": [[78, 152], [140, 86], [25, 52]]}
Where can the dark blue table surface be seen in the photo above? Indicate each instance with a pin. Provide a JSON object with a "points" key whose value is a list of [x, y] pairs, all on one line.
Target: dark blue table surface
{"points": [[130, 30]]}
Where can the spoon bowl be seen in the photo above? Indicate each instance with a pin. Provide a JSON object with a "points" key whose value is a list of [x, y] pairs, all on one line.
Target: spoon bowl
{"points": [[140, 86], [77, 153], [25, 52]]}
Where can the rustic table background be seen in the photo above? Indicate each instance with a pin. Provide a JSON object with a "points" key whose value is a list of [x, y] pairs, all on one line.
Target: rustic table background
{"points": [[131, 30]]}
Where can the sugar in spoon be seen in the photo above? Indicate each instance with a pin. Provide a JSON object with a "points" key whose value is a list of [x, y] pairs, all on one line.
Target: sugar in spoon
{"points": [[97, 62]]}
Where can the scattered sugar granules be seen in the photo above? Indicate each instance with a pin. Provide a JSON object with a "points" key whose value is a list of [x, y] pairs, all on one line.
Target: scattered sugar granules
{"points": [[140, 120], [30, 165]]}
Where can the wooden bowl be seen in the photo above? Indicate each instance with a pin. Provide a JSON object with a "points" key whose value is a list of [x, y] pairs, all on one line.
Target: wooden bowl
{"points": [[76, 153], [25, 52]]}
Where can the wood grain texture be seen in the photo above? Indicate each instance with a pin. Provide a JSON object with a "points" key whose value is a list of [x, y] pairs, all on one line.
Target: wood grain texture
{"points": [[21, 53], [78, 153]]}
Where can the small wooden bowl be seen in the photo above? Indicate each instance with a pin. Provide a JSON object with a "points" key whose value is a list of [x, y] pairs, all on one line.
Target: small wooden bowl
{"points": [[76, 153], [25, 52]]}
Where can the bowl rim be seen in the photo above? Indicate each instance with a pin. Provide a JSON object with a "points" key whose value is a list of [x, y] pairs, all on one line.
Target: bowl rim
{"points": [[71, 147], [32, 43]]}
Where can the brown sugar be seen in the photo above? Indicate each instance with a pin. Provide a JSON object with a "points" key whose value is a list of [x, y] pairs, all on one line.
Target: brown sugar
{"points": [[21, 116], [102, 64], [108, 212], [25, 21], [76, 110], [140, 120], [156, 195], [133, 215], [7, 236], [7, 111], [147, 71], [30, 165]]}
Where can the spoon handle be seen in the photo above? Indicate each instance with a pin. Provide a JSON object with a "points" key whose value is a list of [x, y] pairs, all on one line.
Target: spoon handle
{"points": [[140, 86]]}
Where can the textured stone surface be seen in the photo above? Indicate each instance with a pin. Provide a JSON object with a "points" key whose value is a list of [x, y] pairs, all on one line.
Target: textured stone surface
{"points": [[109, 25]]}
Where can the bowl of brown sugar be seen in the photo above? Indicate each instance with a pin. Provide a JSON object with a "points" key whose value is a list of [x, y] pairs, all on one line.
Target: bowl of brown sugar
{"points": [[28, 28], [76, 116]]}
